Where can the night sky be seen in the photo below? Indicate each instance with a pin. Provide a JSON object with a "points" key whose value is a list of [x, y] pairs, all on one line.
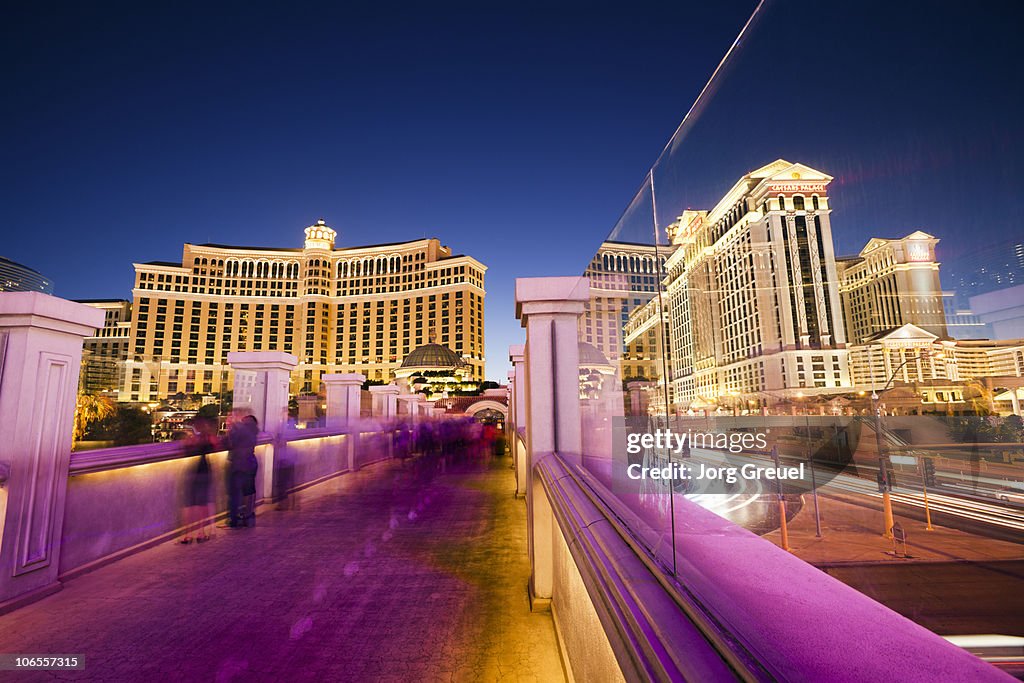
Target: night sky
{"points": [[514, 133]]}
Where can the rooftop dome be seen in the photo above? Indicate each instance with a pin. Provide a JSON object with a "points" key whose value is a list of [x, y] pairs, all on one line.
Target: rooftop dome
{"points": [[591, 355], [432, 356]]}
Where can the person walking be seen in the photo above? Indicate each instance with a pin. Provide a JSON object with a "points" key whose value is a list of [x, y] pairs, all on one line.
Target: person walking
{"points": [[241, 447], [198, 496]]}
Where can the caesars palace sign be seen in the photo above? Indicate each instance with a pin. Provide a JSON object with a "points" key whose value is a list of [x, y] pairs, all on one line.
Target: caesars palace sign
{"points": [[797, 186]]}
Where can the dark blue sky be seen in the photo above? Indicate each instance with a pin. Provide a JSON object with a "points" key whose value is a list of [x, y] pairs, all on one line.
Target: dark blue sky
{"points": [[515, 133]]}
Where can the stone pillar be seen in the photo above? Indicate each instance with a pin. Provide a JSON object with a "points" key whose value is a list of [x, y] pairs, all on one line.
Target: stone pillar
{"points": [[549, 309], [40, 358], [385, 402], [343, 410], [343, 399], [512, 429], [261, 385], [517, 356], [410, 401]]}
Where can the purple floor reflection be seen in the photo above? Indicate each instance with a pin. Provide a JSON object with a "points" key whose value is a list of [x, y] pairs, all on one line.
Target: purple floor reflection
{"points": [[396, 572]]}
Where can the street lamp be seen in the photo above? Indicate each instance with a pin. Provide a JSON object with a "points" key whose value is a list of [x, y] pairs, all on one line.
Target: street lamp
{"points": [[810, 463], [883, 472]]}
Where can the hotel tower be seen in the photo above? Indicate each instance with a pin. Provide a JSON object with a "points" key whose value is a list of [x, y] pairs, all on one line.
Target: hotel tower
{"points": [[338, 309]]}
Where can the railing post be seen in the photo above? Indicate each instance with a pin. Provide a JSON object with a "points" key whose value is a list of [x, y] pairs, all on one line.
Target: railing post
{"points": [[385, 408], [40, 358], [261, 385], [343, 406], [549, 309], [517, 409], [385, 401]]}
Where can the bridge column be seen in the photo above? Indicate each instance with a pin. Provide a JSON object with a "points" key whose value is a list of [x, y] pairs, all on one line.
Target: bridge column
{"points": [[40, 357], [261, 385], [385, 401], [343, 409], [549, 309], [517, 411]]}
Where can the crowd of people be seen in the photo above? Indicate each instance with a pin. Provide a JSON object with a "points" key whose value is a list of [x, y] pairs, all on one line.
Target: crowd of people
{"points": [[432, 443]]}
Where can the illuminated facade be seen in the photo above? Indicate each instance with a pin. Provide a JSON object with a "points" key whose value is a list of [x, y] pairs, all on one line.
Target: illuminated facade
{"points": [[936, 370], [646, 338], [891, 283], [104, 354], [753, 294], [623, 277], [339, 310]]}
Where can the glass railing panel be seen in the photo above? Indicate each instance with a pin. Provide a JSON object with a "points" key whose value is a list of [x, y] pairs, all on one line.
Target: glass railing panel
{"points": [[793, 286]]}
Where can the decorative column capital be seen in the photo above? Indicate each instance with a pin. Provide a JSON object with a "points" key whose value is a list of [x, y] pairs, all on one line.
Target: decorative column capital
{"points": [[42, 311], [551, 296], [343, 380], [262, 360], [516, 353]]}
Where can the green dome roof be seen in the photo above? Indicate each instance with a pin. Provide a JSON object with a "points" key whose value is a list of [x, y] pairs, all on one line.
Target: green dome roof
{"points": [[432, 356]]}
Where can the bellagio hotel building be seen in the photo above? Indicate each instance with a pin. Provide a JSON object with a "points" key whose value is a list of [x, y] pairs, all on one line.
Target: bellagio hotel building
{"points": [[338, 310]]}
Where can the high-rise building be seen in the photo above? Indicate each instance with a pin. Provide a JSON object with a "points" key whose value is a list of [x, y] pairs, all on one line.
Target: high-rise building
{"points": [[15, 277], [623, 277], [104, 354], [753, 294], [338, 309], [891, 283]]}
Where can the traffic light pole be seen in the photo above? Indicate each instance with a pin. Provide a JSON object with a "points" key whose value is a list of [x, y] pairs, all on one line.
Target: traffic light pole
{"points": [[883, 471], [783, 524], [927, 477], [927, 512]]}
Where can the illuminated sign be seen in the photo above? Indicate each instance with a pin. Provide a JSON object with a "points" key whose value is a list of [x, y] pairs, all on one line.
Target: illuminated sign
{"points": [[797, 186], [918, 251]]}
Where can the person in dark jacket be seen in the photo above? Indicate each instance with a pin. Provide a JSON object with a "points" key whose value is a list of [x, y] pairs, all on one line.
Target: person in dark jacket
{"points": [[241, 474]]}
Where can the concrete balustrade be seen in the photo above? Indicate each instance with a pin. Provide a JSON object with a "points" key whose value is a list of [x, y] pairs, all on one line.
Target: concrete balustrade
{"points": [[40, 356], [517, 415], [549, 309], [64, 513], [737, 605]]}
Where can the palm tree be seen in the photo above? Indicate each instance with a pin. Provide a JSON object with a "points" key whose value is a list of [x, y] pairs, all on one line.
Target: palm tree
{"points": [[90, 409]]}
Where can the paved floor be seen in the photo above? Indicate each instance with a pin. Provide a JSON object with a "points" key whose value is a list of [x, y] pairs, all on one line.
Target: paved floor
{"points": [[382, 575]]}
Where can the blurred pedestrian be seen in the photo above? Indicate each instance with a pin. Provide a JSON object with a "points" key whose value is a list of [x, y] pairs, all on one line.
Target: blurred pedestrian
{"points": [[198, 495], [241, 473], [284, 466]]}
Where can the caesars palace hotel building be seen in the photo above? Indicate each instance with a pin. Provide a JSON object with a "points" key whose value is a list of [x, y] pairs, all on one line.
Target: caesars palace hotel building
{"points": [[753, 296], [353, 309]]}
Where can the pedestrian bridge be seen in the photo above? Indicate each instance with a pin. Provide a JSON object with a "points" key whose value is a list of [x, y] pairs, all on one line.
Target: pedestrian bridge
{"points": [[426, 564]]}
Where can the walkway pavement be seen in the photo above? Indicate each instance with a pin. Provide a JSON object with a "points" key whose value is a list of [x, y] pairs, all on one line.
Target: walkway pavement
{"points": [[382, 575]]}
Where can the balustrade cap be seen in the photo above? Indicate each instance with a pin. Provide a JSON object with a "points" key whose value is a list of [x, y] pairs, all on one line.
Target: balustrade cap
{"points": [[516, 353], [539, 295], [385, 389], [262, 360], [344, 379], [35, 309]]}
